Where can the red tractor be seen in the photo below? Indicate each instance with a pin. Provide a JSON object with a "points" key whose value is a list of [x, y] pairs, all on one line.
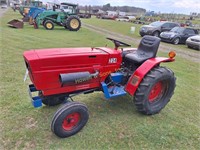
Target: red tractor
{"points": [[59, 74]]}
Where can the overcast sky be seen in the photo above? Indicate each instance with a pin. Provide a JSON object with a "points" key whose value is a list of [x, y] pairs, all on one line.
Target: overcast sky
{"points": [[166, 6]]}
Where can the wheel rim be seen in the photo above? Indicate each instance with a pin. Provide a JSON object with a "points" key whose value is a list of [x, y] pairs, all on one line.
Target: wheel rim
{"points": [[156, 34], [176, 41], [71, 121], [74, 23], [156, 91], [49, 25]]}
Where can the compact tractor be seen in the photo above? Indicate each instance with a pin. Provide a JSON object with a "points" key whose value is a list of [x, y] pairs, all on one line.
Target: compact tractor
{"points": [[66, 17], [59, 74]]}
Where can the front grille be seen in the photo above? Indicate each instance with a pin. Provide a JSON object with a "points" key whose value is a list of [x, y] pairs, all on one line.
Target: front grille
{"points": [[165, 36]]}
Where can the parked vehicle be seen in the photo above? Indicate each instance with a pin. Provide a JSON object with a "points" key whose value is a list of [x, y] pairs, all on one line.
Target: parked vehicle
{"points": [[59, 74], [4, 6], [125, 19], [193, 42], [178, 35], [155, 28], [84, 15], [49, 18]]}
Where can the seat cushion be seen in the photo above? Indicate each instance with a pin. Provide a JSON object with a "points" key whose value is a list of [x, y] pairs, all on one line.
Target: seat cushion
{"points": [[137, 57]]}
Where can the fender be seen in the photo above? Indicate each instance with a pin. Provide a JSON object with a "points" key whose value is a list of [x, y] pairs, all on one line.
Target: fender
{"points": [[139, 74]]}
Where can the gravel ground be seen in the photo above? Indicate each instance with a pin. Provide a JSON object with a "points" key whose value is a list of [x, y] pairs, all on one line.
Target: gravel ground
{"points": [[189, 55], [2, 11]]}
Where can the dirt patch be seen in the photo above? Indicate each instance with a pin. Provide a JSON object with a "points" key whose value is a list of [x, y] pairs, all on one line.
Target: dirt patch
{"points": [[189, 55]]}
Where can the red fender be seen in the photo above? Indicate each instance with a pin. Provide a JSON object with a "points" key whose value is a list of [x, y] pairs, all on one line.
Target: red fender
{"points": [[140, 73]]}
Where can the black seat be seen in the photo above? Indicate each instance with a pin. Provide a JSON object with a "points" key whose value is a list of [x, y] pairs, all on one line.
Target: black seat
{"points": [[147, 48]]}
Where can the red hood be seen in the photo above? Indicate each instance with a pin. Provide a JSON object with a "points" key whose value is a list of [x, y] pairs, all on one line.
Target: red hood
{"points": [[59, 52]]}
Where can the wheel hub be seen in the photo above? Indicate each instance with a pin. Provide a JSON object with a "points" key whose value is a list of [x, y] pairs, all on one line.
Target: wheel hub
{"points": [[74, 23], [49, 25], [156, 91], [71, 121]]}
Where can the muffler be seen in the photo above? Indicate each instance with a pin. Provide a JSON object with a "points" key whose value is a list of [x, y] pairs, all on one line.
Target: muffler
{"points": [[76, 78]]}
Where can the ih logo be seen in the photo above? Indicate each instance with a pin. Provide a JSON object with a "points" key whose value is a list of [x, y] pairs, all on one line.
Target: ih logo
{"points": [[112, 60]]}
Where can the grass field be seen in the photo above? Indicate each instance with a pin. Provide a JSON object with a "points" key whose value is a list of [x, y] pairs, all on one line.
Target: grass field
{"points": [[113, 124]]}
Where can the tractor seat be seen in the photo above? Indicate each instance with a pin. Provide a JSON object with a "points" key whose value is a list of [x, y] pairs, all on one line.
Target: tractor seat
{"points": [[147, 49]]}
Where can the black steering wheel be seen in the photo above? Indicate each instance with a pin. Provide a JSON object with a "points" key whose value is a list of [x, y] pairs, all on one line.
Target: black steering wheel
{"points": [[118, 43]]}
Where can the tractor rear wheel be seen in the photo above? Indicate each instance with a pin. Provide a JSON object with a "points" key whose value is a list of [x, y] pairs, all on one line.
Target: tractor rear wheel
{"points": [[73, 23], [69, 119], [52, 100], [49, 25], [155, 91]]}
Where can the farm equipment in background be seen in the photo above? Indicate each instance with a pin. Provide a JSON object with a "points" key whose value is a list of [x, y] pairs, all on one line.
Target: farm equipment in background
{"points": [[61, 73], [63, 17], [85, 14], [33, 13], [24, 11], [15, 23]]}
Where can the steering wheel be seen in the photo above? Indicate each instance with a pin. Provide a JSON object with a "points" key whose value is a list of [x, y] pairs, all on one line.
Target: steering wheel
{"points": [[118, 43]]}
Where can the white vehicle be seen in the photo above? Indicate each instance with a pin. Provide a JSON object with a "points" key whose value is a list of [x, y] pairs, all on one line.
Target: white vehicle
{"points": [[125, 19], [193, 42], [65, 8], [4, 6]]}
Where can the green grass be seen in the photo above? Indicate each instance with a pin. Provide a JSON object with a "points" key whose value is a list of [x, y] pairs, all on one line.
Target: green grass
{"points": [[115, 26], [113, 124], [125, 29]]}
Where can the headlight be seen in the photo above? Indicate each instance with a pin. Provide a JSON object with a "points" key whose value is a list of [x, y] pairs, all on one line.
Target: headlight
{"points": [[172, 35], [150, 28]]}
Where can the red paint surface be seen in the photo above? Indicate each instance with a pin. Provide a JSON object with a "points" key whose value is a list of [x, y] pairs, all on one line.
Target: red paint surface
{"points": [[47, 64]]}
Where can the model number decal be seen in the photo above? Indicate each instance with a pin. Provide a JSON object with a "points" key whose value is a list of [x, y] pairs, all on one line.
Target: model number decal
{"points": [[112, 60]]}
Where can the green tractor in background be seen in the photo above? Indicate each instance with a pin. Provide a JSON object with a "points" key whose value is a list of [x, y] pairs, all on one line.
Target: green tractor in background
{"points": [[65, 16]]}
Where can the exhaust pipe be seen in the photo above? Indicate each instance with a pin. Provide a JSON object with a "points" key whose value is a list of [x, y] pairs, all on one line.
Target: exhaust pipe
{"points": [[76, 78]]}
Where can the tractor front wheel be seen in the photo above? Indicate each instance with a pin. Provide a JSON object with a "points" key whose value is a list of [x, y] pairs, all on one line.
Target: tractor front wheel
{"points": [[73, 23], [69, 119], [49, 25], [155, 91]]}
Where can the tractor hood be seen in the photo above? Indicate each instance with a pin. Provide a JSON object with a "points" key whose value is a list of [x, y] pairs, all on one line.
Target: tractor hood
{"points": [[61, 57], [63, 52], [66, 52]]}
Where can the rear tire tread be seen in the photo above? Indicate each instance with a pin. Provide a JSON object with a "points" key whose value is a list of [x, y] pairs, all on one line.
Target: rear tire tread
{"points": [[140, 95]]}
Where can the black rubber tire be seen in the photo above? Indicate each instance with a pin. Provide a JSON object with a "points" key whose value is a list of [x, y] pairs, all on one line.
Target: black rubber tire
{"points": [[43, 22], [176, 41], [156, 75], [156, 33], [69, 23], [46, 25], [66, 27], [52, 100], [64, 111]]}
